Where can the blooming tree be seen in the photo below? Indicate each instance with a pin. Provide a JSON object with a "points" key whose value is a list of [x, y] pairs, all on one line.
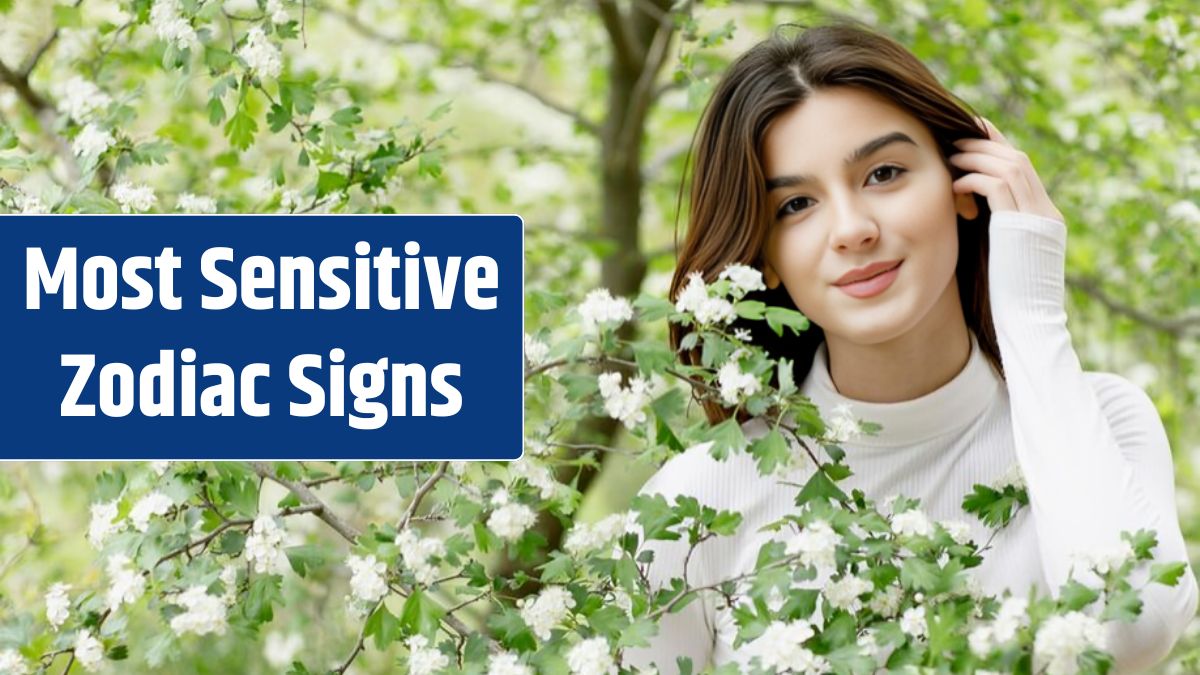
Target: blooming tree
{"points": [[300, 106]]}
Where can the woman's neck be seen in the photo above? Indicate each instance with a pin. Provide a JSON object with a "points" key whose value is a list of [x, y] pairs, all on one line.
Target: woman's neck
{"points": [[912, 365]]}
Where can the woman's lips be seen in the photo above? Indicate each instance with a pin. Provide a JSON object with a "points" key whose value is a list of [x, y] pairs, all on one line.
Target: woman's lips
{"points": [[873, 286]]}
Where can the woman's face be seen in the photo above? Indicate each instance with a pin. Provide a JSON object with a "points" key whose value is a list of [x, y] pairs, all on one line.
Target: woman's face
{"points": [[835, 210]]}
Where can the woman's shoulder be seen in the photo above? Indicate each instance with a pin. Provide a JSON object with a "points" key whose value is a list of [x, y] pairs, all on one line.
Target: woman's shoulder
{"points": [[714, 482]]}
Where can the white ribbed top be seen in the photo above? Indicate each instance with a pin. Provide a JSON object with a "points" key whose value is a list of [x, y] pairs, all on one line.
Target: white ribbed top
{"points": [[1091, 446]]}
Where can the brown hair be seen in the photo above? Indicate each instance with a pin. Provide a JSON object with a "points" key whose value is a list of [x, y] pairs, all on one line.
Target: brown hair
{"points": [[729, 218]]}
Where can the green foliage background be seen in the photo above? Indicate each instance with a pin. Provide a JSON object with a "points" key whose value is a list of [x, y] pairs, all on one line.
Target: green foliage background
{"points": [[510, 106]]}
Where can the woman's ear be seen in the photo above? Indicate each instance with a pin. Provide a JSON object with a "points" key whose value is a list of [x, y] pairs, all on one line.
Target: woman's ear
{"points": [[770, 278], [965, 204]]}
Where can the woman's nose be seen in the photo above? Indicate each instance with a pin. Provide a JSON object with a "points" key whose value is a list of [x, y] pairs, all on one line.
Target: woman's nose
{"points": [[853, 227]]}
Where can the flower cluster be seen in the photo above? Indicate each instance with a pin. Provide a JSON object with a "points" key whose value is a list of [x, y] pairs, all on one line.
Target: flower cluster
{"points": [[261, 56], [58, 605], [264, 546], [126, 582], [367, 582], [510, 519], [626, 404], [418, 553], [601, 310], [203, 613], [152, 504], [706, 308], [171, 27], [547, 610]]}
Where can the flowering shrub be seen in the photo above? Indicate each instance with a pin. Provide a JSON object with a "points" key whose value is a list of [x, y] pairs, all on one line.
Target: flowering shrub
{"points": [[842, 585]]}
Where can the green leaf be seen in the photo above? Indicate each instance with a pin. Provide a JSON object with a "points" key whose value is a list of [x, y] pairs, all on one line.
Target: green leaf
{"points": [[653, 308], [778, 317], [298, 97], [820, 486], [1123, 605], [1076, 596], [384, 626], [348, 117], [328, 182], [241, 129], [67, 16], [8, 139], [726, 523], [638, 634], [305, 558], [278, 118], [1167, 573], [420, 614], [264, 592], [771, 451], [726, 436], [437, 112], [216, 111]]}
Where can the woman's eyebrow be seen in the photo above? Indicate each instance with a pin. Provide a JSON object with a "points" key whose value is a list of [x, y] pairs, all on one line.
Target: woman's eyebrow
{"points": [[867, 149]]}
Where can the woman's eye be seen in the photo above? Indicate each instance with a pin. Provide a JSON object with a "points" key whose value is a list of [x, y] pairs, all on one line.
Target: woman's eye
{"points": [[888, 168], [792, 206]]}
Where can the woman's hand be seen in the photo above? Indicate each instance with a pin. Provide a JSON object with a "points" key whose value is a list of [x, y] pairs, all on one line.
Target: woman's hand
{"points": [[1004, 175]]}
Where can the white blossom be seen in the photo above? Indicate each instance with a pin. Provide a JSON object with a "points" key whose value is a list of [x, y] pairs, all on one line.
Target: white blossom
{"points": [[592, 656], [780, 648], [264, 546], [262, 57], [1104, 561], [134, 197], [535, 350], [160, 467], [1061, 639], [31, 205], [102, 525], [600, 309], [816, 544], [911, 523], [190, 203], [58, 605], [511, 520], [537, 475], [416, 552], [240, 7], [736, 384], [276, 10], [205, 613], [912, 621], [742, 334], [12, 663], [694, 298], [367, 583], [88, 650], [1012, 476], [1130, 15], [583, 537], [153, 504], [843, 427], [625, 403], [546, 610], [507, 663], [958, 530], [290, 200], [743, 279], [80, 99], [280, 650], [126, 583], [1010, 618], [171, 27], [424, 659], [844, 593], [887, 602], [229, 580], [1185, 211], [91, 142], [981, 640]]}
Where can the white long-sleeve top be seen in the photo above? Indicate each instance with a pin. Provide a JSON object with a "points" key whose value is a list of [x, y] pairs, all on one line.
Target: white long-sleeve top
{"points": [[1091, 447]]}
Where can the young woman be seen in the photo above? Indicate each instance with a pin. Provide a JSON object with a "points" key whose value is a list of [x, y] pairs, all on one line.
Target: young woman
{"points": [[929, 259]]}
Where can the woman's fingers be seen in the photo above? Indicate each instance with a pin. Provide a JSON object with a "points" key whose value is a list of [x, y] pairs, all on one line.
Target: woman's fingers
{"points": [[999, 195], [1015, 174]]}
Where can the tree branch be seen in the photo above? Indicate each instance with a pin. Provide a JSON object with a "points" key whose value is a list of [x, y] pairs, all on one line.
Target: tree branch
{"points": [[625, 50], [309, 498], [482, 72], [1179, 326], [421, 492]]}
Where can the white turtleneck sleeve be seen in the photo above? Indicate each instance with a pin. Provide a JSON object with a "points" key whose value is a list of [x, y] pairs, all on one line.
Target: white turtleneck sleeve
{"points": [[1092, 471]]}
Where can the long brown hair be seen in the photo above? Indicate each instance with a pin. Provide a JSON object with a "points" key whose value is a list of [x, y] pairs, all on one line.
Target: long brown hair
{"points": [[729, 218]]}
